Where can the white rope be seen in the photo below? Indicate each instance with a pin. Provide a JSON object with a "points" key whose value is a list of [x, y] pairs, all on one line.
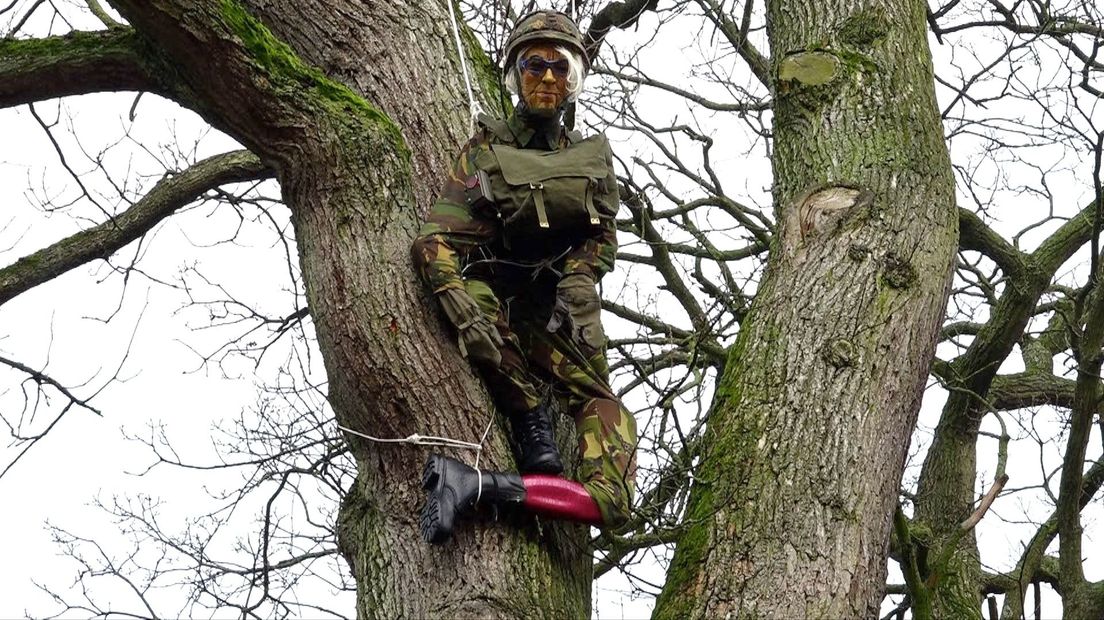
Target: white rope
{"points": [[425, 440], [416, 439], [483, 440], [479, 489], [479, 455], [441, 442], [474, 109]]}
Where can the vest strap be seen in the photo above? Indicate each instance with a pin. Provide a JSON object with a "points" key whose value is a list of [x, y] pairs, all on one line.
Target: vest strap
{"points": [[588, 200], [538, 199]]}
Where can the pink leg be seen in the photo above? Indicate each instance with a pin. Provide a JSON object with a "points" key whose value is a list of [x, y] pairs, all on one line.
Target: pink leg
{"points": [[559, 498]]}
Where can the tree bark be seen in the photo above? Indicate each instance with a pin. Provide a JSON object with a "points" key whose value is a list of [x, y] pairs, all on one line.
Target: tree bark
{"points": [[356, 175], [790, 512]]}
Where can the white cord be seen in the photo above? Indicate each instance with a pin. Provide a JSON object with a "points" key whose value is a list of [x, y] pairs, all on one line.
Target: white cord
{"points": [[479, 489], [440, 442], [423, 440], [483, 439], [474, 109]]}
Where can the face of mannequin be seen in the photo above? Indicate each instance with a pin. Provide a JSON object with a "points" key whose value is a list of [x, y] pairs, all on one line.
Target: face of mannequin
{"points": [[543, 91]]}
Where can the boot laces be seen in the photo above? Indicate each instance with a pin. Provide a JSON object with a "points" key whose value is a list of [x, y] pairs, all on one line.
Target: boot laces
{"points": [[539, 428]]}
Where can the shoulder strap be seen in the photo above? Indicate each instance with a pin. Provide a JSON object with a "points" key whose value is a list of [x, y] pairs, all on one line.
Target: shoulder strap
{"points": [[574, 136], [497, 126]]}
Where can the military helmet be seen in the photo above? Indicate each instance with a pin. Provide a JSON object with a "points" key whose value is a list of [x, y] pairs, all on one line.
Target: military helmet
{"points": [[548, 26]]}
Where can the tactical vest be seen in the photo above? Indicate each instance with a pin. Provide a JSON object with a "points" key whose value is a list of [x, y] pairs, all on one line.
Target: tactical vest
{"points": [[540, 194]]}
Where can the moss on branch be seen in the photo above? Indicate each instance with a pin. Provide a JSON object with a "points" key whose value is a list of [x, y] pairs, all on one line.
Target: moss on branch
{"points": [[288, 72], [78, 63]]}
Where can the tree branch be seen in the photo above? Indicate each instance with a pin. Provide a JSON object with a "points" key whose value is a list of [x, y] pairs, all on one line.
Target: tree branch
{"points": [[918, 591], [1062, 243], [78, 63], [105, 18], [753, 106], [171, 193], [614, 15], [737, 35], [1030, 389], [1034, 564], [975, 235], [940, 567]]}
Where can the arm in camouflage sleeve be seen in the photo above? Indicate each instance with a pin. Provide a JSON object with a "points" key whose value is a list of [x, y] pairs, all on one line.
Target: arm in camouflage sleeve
{"points": [[595, 255], [452, 229]]}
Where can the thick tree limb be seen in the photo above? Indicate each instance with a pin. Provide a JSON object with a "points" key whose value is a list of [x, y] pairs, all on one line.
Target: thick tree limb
{"points": [[918, 591], [945, 488], [170, 194], [940, 567], [961, 328], [1086, 404], [1030, 276], [975, 235], [614, 15], [1064, 242], [1030, 389], [78, 63]]}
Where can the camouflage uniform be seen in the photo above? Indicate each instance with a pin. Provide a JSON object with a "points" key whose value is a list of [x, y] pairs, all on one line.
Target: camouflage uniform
{"points": [[460, 246]]}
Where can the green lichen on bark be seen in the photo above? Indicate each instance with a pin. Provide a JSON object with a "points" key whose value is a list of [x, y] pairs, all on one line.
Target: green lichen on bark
{"points": [[80, 62], [813, 68], [287, 71], [813, 78], [865, 27], [484, 72], [955, 596], [674, 601], [73, 43], [855, 62], [899, 272], [352, 531], [726, 479]]}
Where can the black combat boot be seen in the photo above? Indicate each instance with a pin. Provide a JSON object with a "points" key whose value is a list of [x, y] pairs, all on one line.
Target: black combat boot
{"points": [[453, 489], [533, 435]]}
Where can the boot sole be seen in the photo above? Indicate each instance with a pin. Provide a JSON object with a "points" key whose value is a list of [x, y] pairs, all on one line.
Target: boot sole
{"points": [[435, 529]]}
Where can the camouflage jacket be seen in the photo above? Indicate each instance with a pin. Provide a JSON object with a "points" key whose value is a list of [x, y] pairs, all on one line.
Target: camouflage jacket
{"points": [[454, 232]]}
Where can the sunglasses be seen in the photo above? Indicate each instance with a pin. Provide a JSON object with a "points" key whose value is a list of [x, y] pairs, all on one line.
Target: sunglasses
{"points": [[537, 66]]}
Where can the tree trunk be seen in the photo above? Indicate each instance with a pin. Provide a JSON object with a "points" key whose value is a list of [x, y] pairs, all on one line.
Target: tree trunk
{"points": [[356, 176], [791, 508]]}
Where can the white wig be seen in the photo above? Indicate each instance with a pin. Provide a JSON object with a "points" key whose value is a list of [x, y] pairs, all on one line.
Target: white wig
{"points": [[575, 72]]}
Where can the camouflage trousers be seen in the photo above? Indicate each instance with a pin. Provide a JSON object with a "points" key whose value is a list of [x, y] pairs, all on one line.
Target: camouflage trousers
{"points": [[579, 379]]}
